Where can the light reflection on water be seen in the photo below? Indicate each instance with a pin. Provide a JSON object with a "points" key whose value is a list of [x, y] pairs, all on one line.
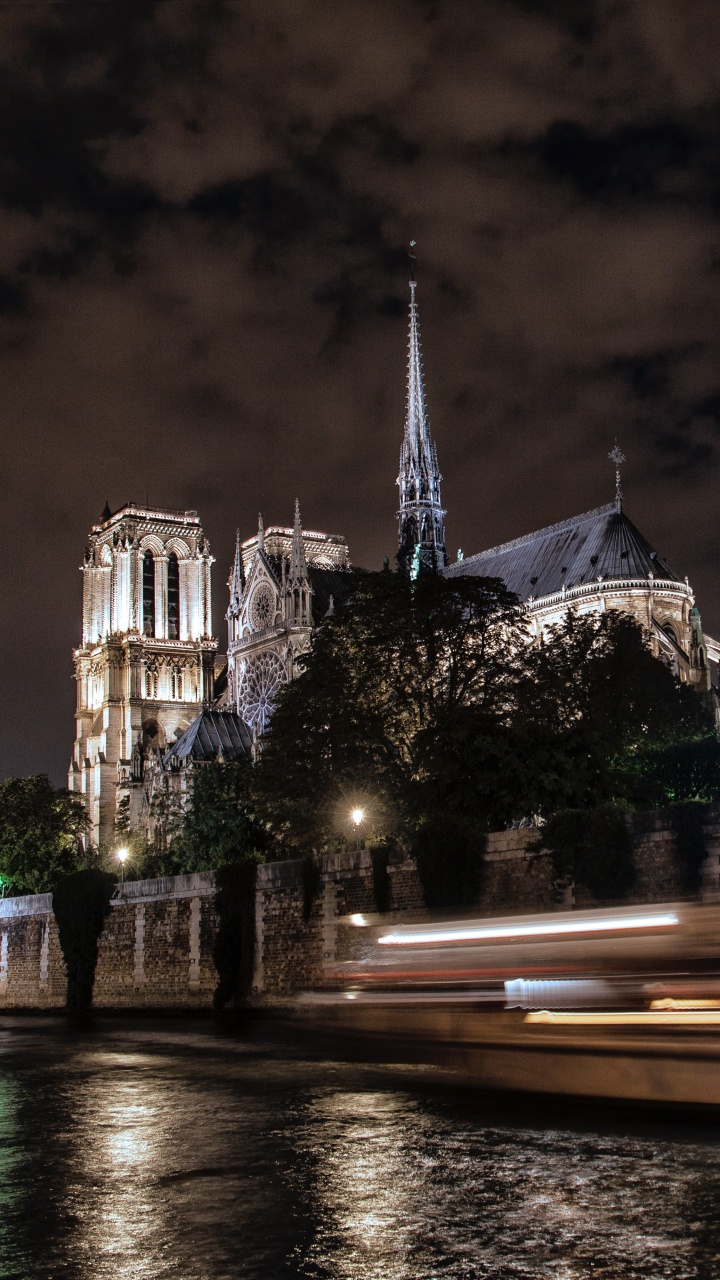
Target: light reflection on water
{"points": [[150, 1153]]}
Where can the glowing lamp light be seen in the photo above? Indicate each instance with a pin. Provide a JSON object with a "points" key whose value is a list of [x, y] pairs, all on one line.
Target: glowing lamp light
{"points": [[357, 816], [122, 856]]}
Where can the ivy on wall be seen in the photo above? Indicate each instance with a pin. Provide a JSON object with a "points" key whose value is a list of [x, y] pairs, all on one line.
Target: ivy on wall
{"points": [[234, 946], [687, 822], [311, 884], [592, 847], [380, 859], [81, 905], [450, 863]]}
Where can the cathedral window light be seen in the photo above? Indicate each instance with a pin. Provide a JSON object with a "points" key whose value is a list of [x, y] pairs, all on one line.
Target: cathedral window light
{"points": [[148, 593], [173, 597]]}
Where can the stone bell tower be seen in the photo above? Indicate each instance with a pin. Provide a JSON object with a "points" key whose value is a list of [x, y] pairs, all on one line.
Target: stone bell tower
{"points": [[145, 667]]}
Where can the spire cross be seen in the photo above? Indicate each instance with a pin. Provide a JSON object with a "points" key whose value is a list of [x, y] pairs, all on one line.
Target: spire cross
{"points": [[617, 456]]}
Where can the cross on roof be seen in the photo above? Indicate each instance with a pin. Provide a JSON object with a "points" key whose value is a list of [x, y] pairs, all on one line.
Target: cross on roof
{"points": [[617, 456]]}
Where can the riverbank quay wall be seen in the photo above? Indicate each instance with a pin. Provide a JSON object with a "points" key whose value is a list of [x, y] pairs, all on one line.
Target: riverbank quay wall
{"points": [[156, 951]]}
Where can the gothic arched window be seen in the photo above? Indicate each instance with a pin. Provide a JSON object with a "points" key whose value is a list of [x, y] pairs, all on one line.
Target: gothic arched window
{"points": [[148, 580], [173, 597]]}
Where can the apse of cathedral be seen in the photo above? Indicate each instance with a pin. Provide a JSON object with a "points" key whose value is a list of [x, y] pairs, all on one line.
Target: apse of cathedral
{"points": [[154, 703]]}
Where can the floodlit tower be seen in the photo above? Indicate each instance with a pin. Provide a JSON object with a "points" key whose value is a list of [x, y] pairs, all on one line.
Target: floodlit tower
{"points": [[421, 527], [145, 667]]}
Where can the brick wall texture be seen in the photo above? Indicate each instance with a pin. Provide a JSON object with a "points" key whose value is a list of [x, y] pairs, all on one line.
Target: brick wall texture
{"points": [[156, 948]]}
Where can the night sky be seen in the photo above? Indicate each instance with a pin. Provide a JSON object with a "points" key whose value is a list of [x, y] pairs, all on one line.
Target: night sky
{"points": [[204, 217]]}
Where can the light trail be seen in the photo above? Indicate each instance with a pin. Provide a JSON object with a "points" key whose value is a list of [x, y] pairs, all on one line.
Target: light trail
{"points": [[626, 1018], [481, 933]]}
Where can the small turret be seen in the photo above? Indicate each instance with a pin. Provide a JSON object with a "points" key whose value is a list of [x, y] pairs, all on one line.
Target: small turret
{"points": [[297, 589], [237, 580]]}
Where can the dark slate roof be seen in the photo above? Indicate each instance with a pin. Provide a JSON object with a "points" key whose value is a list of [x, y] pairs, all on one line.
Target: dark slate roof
{"points": [[213, 734], [599, 544], [325, 583]]}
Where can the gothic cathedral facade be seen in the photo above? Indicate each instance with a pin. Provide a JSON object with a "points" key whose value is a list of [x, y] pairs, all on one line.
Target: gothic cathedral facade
{"points": [[150, 706], [146, 664]]}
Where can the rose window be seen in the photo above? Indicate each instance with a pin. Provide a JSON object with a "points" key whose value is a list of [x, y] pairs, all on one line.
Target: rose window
{"points": [[262, 607], [260, 683]]}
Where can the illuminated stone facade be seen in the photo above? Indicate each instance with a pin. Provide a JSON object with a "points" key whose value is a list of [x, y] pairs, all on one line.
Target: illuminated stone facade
{"points": [[595, 562], [282, 582], [590, 563], [145, 667]]}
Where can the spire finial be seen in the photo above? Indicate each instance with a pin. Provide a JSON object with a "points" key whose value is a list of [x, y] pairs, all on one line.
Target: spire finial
{"points": [[617, 456], [237, 578], [413, 259], [261, 532], [298, 567]]}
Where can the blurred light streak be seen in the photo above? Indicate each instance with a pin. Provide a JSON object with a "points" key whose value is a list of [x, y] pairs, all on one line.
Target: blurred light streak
{"points": [[627, 1018], [480, 933]]}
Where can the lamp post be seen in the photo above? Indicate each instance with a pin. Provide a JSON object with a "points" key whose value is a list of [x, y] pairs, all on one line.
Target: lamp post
{"points": [[357, 816], [122, 858]]}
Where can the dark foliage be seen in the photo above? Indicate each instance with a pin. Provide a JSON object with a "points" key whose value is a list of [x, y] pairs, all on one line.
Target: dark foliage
{"points": [[221, 824], [450, 863], [81, 905], [379, 672], [425, 703], [657, 776], [592, 847], [595, 701], [234, 947], [687, 821], [40, 830]]}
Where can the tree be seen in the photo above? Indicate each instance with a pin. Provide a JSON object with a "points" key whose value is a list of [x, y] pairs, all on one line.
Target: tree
{"points": [[40, 832], [221, 825], [425, 702], [596, 700], [394, 659]]}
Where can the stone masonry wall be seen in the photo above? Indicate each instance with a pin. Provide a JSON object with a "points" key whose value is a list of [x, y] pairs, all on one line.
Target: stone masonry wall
{"points": [[156, 949]]}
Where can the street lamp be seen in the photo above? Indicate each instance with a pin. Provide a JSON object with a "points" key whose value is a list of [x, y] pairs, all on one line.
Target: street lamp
{"points": [[357, 816], [122, 858]]}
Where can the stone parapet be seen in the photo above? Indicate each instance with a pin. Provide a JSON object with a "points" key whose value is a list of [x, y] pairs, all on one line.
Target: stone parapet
{"points": [[156, 951]]}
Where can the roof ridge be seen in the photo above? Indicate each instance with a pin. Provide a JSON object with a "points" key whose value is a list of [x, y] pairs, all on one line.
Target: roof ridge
{"points": [[561, 525]]}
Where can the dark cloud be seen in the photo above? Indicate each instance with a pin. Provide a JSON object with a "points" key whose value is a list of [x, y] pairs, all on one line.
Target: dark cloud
{"points": [[204, 213], [672, 159]]}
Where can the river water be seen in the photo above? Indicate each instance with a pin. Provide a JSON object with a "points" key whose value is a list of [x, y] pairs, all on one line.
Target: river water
{"points": [[138, 1151]]}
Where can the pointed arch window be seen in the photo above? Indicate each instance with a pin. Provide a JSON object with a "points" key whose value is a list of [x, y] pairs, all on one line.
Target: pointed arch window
{"points": [[148, 593], [173, 597]]}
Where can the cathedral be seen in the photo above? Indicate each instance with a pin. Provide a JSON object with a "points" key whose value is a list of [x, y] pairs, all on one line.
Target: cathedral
{"points": [[155, 701]]}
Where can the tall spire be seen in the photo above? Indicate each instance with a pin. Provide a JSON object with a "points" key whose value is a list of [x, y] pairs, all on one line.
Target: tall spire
{"points": [[298, 565], [237, 579], [261, 533], [421, 528]]}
